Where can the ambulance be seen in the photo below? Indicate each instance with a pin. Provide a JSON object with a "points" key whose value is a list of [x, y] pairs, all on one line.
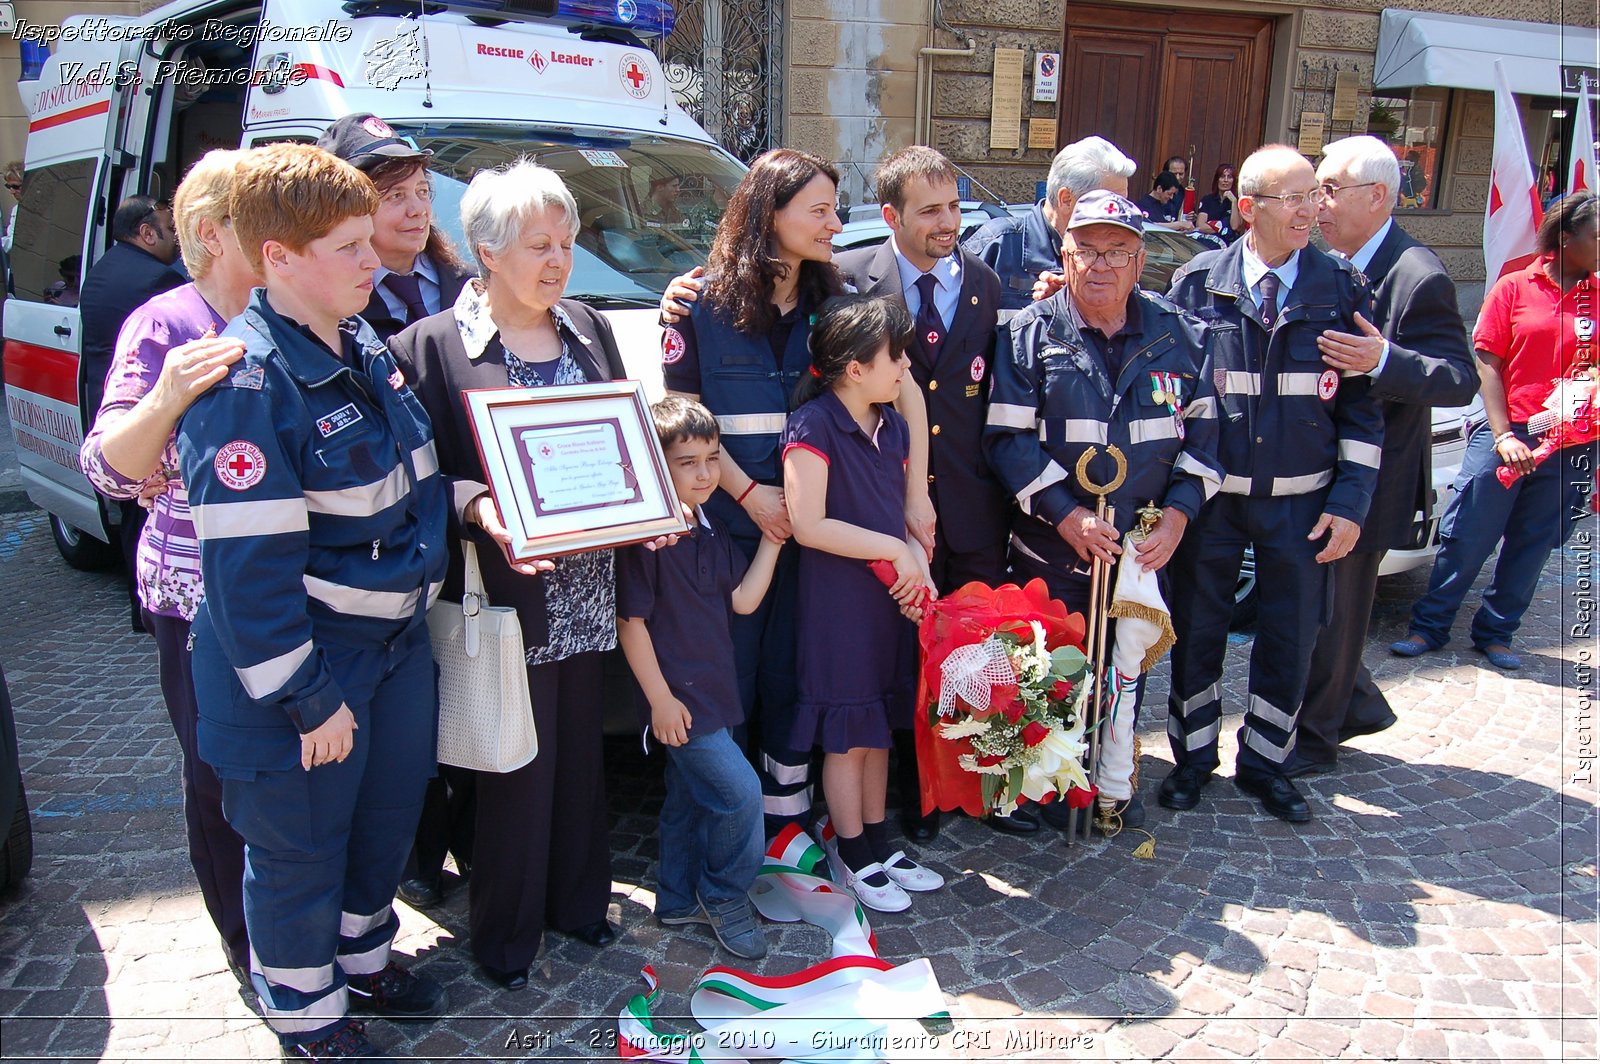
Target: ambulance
{"points": [[125, 105]]}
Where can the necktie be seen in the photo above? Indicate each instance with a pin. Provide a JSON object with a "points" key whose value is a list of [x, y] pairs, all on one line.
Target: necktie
{"points": [[1269, 299], [930, 327], [409, 289]]}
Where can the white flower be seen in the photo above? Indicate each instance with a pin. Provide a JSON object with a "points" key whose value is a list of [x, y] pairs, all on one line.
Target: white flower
{"points": [[970, 763], [1057, 764], [963, 729]]}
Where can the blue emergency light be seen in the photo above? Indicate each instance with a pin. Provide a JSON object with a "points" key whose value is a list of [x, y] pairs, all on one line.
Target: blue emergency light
{"points": [[643, 18]]}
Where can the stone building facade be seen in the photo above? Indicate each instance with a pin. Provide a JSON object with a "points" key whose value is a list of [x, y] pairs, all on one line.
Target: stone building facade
{"points": [[854, 67]]}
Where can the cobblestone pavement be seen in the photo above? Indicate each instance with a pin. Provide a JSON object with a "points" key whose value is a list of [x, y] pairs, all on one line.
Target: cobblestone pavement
{"points": [[1442, 905]]}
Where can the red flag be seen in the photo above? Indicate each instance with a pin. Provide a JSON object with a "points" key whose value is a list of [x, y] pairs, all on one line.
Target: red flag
{"points": [[1581, 170], [1513, 213]]}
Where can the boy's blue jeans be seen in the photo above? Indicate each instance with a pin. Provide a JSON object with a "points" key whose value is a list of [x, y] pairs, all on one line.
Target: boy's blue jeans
{"points": [[711, 836]]}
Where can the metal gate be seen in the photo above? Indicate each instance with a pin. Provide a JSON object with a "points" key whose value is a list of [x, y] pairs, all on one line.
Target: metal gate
{"points": [[722, 63]]}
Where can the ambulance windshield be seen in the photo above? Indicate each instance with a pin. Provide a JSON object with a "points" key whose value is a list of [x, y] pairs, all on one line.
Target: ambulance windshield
{"points": [[648, 205]]}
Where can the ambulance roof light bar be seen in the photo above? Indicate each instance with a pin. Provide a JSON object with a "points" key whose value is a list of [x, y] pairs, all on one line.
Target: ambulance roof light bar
{"points": [[643, 18]]}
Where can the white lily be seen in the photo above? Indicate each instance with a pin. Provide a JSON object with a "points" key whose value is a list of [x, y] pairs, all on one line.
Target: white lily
{"points": [[1057, 765]]}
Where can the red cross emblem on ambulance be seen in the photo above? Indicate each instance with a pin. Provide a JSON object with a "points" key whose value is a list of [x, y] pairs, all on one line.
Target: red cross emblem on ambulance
{"points": [[636, 79]]}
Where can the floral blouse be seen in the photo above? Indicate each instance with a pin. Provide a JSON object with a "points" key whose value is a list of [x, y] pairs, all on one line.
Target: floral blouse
{"points": [[581, 593]]}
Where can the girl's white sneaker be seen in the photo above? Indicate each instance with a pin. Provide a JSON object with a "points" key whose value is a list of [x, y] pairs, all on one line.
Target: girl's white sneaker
{"points": [[910, 875]]}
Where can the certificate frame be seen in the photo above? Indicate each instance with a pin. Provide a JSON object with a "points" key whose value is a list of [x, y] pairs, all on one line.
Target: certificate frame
{"points": [[574, 467]]}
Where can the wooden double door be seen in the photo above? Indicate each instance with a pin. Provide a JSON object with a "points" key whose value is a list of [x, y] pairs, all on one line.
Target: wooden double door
{"points": [[1156, 82]]}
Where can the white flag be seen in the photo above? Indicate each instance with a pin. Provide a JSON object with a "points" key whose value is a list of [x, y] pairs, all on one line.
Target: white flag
{"points": [[1581, 170], [1513, 213]]}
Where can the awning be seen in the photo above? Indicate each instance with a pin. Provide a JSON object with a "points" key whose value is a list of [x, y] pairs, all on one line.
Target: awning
{"points": [[1458, 52]]}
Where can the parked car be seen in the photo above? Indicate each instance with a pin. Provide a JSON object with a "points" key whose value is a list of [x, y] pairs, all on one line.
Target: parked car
{"points": [[16, 855]]}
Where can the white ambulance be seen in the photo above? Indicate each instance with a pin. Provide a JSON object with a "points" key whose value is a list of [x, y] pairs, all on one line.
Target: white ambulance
{"points": [[125, 105]]}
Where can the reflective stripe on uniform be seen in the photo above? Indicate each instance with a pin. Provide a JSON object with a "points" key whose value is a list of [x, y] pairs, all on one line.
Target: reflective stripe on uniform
{"points": [[1299, 383], [1053, 474], [797, 804], [359, 602], [1012, 416], [1241, 383], [362, 500], [433, 592], [1195, 740], [1265, 747], [1301, 485], [1210, 479], [305, 980], [1203, 407], [1150, 429], [353, 925], [751, 424], [426, 460], [267, 678], [1367, 454], [784, 775], [262, 517], [1077, 429], [1270, 713], [319, 1013], [1235, 485], [1194, 702]]}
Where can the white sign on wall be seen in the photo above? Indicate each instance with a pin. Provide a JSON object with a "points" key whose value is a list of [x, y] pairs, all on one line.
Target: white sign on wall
{"points": [[1046, 76]]}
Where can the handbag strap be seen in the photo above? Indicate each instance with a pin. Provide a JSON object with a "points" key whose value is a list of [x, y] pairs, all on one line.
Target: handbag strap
{"points": [[473, 600]]}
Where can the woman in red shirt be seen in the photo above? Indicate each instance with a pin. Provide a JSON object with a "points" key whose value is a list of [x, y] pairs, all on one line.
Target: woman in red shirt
{"points": [[1536, 325]]}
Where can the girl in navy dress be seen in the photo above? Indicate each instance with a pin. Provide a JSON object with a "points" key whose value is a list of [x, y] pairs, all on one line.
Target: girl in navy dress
{"points": [[844, 480]]}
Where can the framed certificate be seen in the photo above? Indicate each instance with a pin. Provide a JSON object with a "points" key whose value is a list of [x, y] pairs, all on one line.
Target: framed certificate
{"points": [[574, 468]]}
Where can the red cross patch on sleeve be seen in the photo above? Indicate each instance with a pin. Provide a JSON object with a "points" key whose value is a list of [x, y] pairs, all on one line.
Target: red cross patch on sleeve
{"points": [[240, 465], [672, 346]]}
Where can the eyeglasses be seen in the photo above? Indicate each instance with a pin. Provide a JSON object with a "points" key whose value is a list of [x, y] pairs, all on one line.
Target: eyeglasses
{"points": [[1117, 258], [1329, 190], [1294, 200]]}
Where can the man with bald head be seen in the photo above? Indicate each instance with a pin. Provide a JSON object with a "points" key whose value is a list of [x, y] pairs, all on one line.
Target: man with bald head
{"points": [[1415, 352], [1299, 443]]}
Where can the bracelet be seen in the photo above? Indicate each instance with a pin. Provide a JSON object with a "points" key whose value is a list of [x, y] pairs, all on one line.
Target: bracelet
{"points": [[1504, 436], [748, 489]]}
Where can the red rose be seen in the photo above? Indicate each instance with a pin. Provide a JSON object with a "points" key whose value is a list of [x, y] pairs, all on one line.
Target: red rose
{"points": [[1014, 710], [1035, 733], [1060, 690], [1078, 798], [985, 760]]}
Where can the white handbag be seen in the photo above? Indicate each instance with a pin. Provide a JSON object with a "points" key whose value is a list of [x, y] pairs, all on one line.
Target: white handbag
{"points": [[485, 715]]}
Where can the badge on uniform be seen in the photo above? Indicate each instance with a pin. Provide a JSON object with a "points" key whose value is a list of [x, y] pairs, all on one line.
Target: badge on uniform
{"points": [[338, 420], [240, 465], [1167, 388], [251, 377], [1328, 385], [978, 366], [673, 346]]}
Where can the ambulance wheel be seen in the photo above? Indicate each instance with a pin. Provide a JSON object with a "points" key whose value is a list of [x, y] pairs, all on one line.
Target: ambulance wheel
{"points": [[81, 550]]}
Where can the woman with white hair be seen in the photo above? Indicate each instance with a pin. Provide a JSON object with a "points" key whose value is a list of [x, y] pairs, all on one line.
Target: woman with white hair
{"points": [[533, 866]]}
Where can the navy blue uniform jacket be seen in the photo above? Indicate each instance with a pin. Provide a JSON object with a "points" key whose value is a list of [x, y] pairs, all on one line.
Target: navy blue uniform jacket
{"points": [[1288, 425], [1018, 249]]}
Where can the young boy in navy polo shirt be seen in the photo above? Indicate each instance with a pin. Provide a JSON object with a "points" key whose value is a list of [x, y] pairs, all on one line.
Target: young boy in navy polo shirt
{"points": [[675, 613]]}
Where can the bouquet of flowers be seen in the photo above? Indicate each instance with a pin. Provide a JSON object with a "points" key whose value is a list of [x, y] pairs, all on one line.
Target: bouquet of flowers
{"points": [[1004, 694], [1567, 420]]}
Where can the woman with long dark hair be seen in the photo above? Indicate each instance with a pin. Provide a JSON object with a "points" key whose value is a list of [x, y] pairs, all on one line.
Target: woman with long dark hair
{"points": [[1218, 211], [741, 351]]}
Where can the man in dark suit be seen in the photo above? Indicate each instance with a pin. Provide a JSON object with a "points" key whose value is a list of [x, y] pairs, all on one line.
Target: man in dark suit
{"points": [[955, 301], [1416, 353], [137, 266]]}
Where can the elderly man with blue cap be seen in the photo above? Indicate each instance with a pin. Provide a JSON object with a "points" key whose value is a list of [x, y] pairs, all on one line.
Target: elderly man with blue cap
{"points": [[1100, 363]]}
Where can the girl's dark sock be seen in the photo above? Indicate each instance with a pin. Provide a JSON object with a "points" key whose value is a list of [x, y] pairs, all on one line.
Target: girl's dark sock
{"points": [[882, 849], [856, 852]]}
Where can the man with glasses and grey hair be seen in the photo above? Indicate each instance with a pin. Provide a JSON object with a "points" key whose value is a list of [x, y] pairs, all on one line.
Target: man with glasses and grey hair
{"points": [[1021, 247], [1101, 362], [1415, 352], [1299, 443]]}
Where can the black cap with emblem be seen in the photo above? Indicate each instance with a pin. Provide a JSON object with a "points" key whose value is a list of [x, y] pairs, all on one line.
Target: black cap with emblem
{"points": [[364, 141]]}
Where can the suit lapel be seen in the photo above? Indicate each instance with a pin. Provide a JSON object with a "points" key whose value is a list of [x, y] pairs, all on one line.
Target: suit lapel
{"points": [[883, 275], [1388, 253]]}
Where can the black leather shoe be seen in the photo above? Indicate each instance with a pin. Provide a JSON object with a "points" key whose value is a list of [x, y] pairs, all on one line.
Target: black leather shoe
{"points": [[1020, 822], [598, 934], [1181, 789], [921, 828], [1278, 796], [420, 893], [397, 994], [1302, 767], [1355, 731], [505, 979], [1058, 815]]}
